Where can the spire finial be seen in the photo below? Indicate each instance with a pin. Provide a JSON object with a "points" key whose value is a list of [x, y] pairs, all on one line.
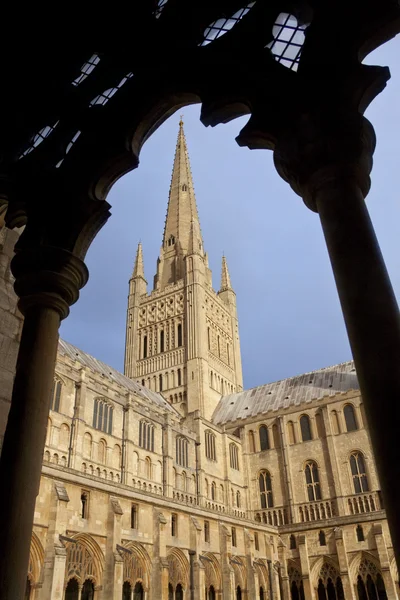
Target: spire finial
{"points": [[181, 121]]}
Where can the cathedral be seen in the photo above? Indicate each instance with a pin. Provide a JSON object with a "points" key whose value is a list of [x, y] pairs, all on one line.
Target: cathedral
{"points": [[171, 482]]}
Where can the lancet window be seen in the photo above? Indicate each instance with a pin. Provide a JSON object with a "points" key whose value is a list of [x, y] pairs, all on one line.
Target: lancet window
{"points": [[102, 415], [146, 435], [182, 451], [265, 485]]}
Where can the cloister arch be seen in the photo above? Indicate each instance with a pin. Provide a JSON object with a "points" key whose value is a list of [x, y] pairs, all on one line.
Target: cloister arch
{"points": [[240, 572], [85, 560], [137, 566], [213, 575], [36, 562], [178, 569]]}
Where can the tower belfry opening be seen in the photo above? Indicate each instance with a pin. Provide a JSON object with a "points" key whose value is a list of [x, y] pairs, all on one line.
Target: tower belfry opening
{"points": [[182, 338]]}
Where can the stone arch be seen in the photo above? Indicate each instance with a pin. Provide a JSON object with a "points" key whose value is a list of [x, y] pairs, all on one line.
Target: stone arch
{"points": [[36, 560], [85, 560], [323, 568], [295, 579], [262, 572], [240, 572], [64, 435], [212, 569], [394, 571], [137, 565], [178, 568], [354, 565]]}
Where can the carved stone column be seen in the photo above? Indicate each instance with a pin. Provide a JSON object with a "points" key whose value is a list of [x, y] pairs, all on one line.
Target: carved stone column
{"points": [[327, 160], [341, 550], [48, 282]]}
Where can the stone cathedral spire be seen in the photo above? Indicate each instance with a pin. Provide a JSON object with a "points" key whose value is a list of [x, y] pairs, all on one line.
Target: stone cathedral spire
{"points": [[182, 219], [183, 337]]}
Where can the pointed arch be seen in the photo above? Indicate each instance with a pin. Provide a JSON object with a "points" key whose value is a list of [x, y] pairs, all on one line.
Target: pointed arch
{"points": [[212, 568], [178, 568], [262, 572], [85, 560], [323, 569], [137, 565], [36, 560], [240, 572], [355, 564]]}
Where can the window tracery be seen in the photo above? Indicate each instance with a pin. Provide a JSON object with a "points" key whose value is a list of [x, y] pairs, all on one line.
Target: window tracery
{"points": [[265, 485], [102, 415], [312, 481]]}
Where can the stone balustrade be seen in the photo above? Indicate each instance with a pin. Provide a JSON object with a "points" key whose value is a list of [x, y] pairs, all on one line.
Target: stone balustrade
{"points": [[364, 503]]}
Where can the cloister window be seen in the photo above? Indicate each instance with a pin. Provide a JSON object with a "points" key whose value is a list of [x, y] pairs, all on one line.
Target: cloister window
{"points": [[292, 543], [210, 445], [206, 531], [162, 340], [238, 500], [160, 383], [256, 542], [305, 427], [358, 472], [146, 435], [312, 481], [264, 438], [234, 456], [182, 452], [322, 538], [84, 505], [265, 484], [102, 416], [179, 335], [360, 533], [179, 374], [350, 417], [234, 537], [145, 346], [55, 395], [174, 524], [134, 516]]}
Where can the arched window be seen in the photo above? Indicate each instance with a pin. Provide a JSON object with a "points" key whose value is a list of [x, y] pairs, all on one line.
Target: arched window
{"points": [[184, 188], [264, 481], [206, 488], [148, 467], [322, 538], [160, 382], [162, 340], [252, 445], [210, 445], [179, 592], [238, 500], [145, 346], [227, 354], [358, 472], [179, 335], [102, 452], [55, 395], [146, 435], [350, 417], [305, 427], [219, 349], [292, 542], [360, 533], [234, 456], [84, 505], [261, 593], [102, 415], [264, 439], [179, 373], [208, 338], [213, 491], [312, 481], [182, 451], [291, 435]]}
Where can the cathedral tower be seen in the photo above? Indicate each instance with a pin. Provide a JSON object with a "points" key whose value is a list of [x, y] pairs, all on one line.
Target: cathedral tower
{"points": [[182, 339]]}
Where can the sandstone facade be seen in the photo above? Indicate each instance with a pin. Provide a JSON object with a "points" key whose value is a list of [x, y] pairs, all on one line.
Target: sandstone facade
{"points": [[172, 482]]}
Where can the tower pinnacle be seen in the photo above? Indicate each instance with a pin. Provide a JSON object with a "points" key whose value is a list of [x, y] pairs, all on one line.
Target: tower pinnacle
{"points": [[225, 277], [138, 269]]}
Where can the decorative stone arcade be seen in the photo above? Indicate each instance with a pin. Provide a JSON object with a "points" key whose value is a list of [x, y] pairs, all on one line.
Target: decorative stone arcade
{"points": [[300, 77]]}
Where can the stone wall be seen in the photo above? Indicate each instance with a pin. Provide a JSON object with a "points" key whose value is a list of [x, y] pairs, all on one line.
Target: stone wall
{"points": [[10, 323]]}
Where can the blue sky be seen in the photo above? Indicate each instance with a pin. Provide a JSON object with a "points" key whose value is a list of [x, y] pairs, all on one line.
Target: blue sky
{"points": [[289, 314]]}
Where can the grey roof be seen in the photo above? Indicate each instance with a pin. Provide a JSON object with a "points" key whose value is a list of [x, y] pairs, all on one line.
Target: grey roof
{"points": [[99, 367], [286, 393]]}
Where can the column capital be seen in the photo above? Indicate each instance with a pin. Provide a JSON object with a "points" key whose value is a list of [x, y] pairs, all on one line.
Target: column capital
{"points": [[48, 277], [320, 148]]}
